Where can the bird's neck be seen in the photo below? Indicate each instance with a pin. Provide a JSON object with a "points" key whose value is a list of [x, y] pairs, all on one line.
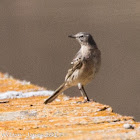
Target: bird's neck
{"points": [[91, 41], [91, 44], [87, 49]]}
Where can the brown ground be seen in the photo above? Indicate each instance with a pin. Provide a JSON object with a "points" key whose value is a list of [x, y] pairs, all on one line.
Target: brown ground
{"points": [[29, 118]]}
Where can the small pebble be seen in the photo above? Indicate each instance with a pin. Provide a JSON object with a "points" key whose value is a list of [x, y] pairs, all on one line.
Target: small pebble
{"points": [[66, 98], [128, 126], [58, 100]]}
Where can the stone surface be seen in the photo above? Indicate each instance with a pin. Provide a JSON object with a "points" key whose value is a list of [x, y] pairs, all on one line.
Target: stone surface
{"points": [[65, 118]]}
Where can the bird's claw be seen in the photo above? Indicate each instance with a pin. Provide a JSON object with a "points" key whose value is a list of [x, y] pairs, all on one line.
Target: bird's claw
{"points": [[85, 101]]}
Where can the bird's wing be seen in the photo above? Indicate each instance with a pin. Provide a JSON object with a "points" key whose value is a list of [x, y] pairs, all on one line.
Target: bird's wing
{"points": [[76, 64]]}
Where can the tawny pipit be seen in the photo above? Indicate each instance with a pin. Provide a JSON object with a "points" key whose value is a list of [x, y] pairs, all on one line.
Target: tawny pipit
{"points": [[85, 65]]}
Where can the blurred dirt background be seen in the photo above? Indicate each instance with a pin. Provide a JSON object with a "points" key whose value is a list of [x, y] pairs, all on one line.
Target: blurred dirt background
{"points": [[34, 45]]}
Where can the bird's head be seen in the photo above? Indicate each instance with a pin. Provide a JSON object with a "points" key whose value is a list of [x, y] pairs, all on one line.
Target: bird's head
{"points": [[83, 38]]}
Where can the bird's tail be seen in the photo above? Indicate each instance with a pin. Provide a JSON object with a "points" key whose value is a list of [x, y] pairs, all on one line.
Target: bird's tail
{"points": [[57, 92]]}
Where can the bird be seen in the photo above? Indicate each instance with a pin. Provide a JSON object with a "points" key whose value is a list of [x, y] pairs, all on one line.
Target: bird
{"points": [[85, 66]]}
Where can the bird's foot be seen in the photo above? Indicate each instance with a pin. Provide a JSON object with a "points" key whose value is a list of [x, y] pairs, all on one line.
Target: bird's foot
{"points": [[85, 101]]}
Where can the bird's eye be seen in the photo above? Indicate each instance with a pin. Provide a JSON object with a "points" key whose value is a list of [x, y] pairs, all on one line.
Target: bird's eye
{"points": [[81, 36]]}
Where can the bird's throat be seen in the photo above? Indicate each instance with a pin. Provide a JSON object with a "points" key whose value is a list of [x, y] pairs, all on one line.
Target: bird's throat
{"points": [[85, 49]]}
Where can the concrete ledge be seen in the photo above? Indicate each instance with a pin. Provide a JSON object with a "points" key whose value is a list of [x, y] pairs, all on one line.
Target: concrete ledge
{"points": [[65, 118]]}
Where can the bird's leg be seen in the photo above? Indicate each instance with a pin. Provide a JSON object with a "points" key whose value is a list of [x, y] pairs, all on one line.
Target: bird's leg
{"points": [[83, 92], [86, 99]]}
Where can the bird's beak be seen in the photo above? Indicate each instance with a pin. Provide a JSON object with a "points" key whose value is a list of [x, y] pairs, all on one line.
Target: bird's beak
{"points": [[72, 36]]}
